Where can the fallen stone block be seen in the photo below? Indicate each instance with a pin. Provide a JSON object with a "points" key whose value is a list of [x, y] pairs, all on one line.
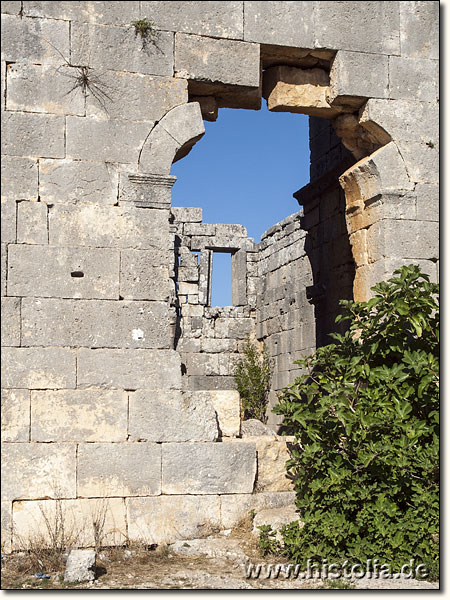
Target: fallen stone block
{"points": [[80, 566], [275, 518]]}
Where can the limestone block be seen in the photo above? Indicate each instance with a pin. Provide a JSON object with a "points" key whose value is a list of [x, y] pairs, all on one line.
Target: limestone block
{"points": [[80, 566], [171, 417], [63, 272], [79, 416], [87, 522], [66, 322], [141, 278], [214, 19], [289, 89], [419, 29], [403, 120], [146, 191], [106, 13], [105, 140], [165, 519], [188, 274], [421, 160], [32, 471], [8, 220], [413, 78], [369, 26], [32, 223], [159, 152], [272, 456], [33, 135], [202, 364], [10, 322], [38, 368], [227, 404], [184, 122], [276, 518], [6, 507], [199, 229], [427, 202], [109, 227], [235, 328], [118, 470], [208, 468], [217, 345], [121, 49], [130, 369], [403, 239], [69, 181], [279, 23], [11, 7], [184, 214], [137, 97], [3, 267], [15, 415], [225, 61], [208, 382], [44, 89], [358, 74], [19, 178], [235, 507], [27, 40], [239, 278]]}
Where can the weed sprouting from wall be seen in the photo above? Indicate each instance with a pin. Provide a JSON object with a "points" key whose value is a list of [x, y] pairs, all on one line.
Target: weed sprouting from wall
{"points": [[146, 29]]}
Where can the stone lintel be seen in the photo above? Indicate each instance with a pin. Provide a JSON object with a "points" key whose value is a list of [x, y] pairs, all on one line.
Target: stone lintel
{"points": [[147, 190]]}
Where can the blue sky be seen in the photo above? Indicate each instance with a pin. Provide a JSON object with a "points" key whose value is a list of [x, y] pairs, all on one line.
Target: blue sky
{"points": [[244, 170]]}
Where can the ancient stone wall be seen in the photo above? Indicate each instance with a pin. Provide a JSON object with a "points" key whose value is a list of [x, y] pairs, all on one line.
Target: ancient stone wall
{"points": [[112, 356]]}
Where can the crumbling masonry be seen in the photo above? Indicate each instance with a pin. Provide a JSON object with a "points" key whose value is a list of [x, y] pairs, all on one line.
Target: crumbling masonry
{"points": [[117, 372]]}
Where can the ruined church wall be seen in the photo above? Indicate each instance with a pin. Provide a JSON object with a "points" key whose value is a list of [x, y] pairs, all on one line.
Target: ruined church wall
{"points": [[95, 402]]}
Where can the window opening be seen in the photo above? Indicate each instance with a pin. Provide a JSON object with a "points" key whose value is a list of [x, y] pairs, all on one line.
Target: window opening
{"points": [[221, 279]]}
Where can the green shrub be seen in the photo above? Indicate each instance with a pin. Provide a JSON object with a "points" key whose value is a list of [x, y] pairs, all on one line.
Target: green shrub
{"points": [[366, 421], [252, 375]]}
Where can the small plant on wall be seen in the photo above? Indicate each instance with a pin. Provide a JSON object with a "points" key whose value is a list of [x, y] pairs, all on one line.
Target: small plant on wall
{"points": [[146, 29], [252, 375]]}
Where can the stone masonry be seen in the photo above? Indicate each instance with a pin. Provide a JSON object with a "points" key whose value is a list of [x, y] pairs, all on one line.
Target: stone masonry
{"points": [[118, 404]]}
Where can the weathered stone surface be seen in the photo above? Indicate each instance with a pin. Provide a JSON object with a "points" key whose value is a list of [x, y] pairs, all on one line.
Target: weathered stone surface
{"points": [[121, 49], [79, 416], [130, 369], [3, 266], [419, 29], [146, 190], [33, 135], [108, 227], [105, 140], [272, 456], [38, 368], [279, 23], [369, 26], [159, 152], [254, 428], [8, 221], [239, 278], [86, 522], [235, 507], [69, 181], [391, 239], [360, 75], [44, 89], [275, 518], [167, 519], [15, 415], [38, 471], [186, 214], [224, 61], [227, 404], [421, 160], [289, 89], [413, 78], [141, 277], [208, 468], [222, 548], [63, 272], [106, 13], [27, 40], [404, 120], [137, 97], [19, 178], [125, 324], [32, 223], [11, 322], [427, 202], [80, 566], [118, 470], [11, 7], [213, 19], [235, 328], [156, 416], [6, 521]]}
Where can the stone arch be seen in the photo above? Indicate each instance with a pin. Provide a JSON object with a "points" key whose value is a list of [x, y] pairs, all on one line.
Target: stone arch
{"points": [[171, 139]]}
